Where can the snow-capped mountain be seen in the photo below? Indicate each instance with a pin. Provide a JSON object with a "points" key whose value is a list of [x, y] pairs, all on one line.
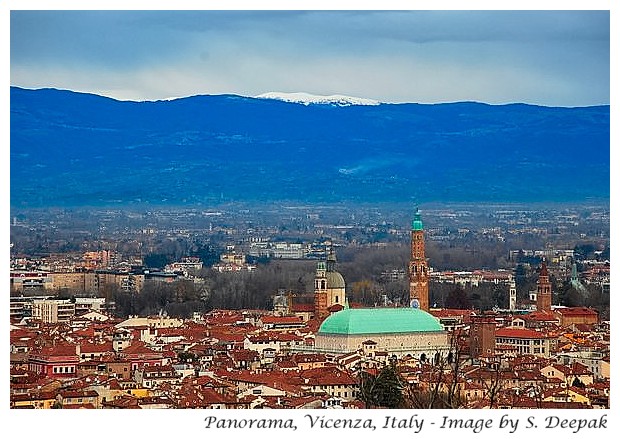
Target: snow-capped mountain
{"points": [[89, 150], [307, 99]]}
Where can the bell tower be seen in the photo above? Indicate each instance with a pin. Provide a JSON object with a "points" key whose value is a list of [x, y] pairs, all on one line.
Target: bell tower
{"points": [[418, 266], [513, 295], [320, 291], [543, 293], [329, 287]]}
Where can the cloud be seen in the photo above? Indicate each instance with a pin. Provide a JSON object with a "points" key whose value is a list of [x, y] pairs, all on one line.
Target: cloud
{"points": [[548, 57]]}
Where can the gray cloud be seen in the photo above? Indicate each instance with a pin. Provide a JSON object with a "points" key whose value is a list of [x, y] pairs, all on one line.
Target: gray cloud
{"points": [[547, 57]]}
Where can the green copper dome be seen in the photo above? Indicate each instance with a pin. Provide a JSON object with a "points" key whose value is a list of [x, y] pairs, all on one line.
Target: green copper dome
{"points": [[416, 224], [379, 321]]}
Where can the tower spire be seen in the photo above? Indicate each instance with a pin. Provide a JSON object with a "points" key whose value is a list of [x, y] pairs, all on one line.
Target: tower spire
{"points": [[418, 265], [416, 224], [331, 259]]}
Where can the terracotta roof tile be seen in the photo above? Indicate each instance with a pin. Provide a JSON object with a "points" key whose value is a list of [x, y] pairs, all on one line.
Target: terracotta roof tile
{"points": [[520, 333]]}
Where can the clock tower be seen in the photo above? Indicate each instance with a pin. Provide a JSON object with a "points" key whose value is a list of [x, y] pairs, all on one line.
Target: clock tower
{"points": [[418, 266]]}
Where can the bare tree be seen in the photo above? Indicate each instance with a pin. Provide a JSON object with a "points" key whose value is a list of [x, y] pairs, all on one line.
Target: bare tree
{"points": [[439, 384]]}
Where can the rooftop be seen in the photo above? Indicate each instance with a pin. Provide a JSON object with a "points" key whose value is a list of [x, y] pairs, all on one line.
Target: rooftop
{"points": [[379, 321]]}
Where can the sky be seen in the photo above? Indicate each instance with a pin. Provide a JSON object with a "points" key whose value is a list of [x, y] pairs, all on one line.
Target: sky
{"points": [[555, 58]]}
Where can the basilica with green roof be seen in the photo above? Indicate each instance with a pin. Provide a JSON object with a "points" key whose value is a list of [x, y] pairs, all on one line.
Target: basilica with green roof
{"points": [[396, 331]]}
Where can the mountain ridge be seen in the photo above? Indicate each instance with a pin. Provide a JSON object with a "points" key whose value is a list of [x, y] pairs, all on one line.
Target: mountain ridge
{"points": [[72, 148], [274, 96]]}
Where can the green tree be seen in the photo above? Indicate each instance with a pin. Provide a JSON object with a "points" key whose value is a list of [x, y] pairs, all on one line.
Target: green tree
{"points": [[385, 390], [186, 357]]}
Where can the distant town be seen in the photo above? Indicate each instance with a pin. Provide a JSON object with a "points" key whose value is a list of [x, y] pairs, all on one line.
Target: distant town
{"points": [[291, 306]]}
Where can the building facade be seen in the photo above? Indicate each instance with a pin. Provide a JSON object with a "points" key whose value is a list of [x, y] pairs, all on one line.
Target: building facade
{"points": [[396, 331], [525, 341], [482, 336]]}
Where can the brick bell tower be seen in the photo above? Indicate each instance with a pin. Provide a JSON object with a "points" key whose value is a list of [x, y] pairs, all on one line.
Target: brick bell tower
{"points": [[418, 266], [320, 291], [543, 293]]}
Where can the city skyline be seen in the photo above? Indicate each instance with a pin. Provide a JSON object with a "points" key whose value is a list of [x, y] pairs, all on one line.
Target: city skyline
{"points": [[555, 58], [546, 58]]}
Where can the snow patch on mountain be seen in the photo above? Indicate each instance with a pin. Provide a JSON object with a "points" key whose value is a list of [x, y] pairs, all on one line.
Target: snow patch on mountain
{"points": [[307, 99]]}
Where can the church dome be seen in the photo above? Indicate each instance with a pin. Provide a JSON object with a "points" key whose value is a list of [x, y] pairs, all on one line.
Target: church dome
{"points": [[334, 279], [379, 321]]}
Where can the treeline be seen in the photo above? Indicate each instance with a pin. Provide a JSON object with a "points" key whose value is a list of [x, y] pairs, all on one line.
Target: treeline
{"points": [[178, 299], [255, 289], [228, 290], [362, 270]]}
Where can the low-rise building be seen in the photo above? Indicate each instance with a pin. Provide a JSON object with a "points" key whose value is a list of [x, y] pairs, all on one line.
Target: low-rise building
{"points": [[525, 341]]}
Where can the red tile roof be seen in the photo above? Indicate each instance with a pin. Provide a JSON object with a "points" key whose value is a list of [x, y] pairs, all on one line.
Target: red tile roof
{"points": [[123, 402], [78, 394], [207, 381], [55, 353], [280, 320], [540, 316], [92, 348], [244, 355], [191, 397], [309, 358], [576, 311], [139, 350], [327, 376], [302, 307], [275, 336], [285, 364], [520, 333]]}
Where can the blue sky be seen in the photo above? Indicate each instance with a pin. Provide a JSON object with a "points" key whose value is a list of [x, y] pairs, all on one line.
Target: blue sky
{"points": [[540, 57]]}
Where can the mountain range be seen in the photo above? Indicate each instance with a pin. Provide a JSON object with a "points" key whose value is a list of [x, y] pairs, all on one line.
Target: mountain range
{"points": [[78, 149]]}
